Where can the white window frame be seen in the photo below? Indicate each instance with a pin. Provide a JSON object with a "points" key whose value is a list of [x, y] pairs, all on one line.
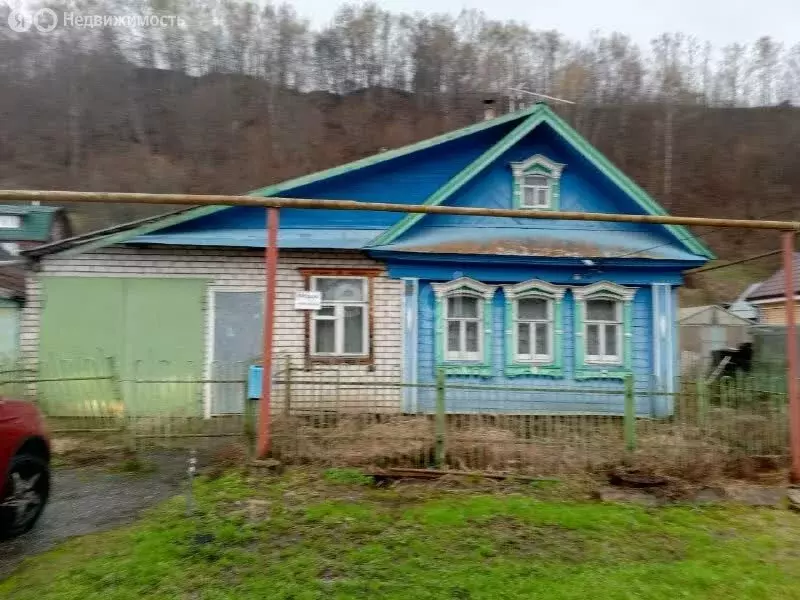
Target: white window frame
{"points": [[602, 325], [534, 288], [547, 187], [531, 323], [463, 355], [10, 221], [461, 287], [605, 290], [338, 318]]}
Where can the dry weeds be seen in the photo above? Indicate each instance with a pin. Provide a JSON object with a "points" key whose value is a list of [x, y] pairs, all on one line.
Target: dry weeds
{"points": [[677, 451]]}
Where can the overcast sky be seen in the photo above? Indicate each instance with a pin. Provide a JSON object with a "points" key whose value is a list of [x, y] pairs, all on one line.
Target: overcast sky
{"points": [[718, 21]]}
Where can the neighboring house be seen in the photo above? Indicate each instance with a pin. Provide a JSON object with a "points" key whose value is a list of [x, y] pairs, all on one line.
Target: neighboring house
{"points": [[21, 227], [769, 296], [704, 329], [744, 309], [540, 304]]}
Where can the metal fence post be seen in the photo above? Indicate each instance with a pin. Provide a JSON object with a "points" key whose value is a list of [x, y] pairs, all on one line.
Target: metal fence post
{"points": [[440, 417], [630, 415], [287, 386], [702, 400]]}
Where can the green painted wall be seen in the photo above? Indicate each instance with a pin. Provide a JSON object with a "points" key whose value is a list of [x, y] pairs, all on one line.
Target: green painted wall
{"points": [[153, 329]]}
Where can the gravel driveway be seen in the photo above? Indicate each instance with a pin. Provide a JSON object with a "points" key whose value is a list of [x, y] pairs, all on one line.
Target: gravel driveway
{"points": [[90, 499]]}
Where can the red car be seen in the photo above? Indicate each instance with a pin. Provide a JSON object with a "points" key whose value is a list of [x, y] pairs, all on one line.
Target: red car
{"points": [[24, 467]]}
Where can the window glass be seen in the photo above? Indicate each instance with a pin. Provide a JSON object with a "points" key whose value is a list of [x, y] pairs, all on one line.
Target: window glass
{"points": [[340, 289], [453, 336], [523, 338], [611, 340], [536, 180], [325, 336], [593, 340], [459, 307], [541, 339], [601, 310], [471, 344], [531, 309]]}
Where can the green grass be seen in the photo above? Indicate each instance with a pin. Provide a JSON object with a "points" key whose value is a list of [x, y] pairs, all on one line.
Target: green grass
{"points": [[309, 536]]}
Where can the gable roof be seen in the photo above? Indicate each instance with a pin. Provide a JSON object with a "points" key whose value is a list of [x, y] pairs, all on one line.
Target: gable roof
{"points": [[526, 120], [711, 314], [583, 147], [775, 286]]}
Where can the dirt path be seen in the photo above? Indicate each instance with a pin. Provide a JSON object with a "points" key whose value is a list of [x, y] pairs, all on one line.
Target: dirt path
{"points": [[90, 499]]}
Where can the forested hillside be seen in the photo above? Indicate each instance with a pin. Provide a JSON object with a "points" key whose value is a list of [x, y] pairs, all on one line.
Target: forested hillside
{"points": [[242, 95]]}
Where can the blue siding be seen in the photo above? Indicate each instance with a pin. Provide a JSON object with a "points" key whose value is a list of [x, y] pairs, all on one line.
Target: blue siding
{"points": [[583, 189], [408, 179], [542, 400]]}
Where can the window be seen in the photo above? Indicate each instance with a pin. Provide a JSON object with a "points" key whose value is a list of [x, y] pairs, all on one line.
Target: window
{"points": [[537, 183], [604, 331], [603, 324], [10, 221], [536, 191], [341, 326], [463, 310], [463, 317], [534, 330]]}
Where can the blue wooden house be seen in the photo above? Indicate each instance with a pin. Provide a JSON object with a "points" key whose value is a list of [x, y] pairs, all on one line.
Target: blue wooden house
{"points": [[547, 309]]}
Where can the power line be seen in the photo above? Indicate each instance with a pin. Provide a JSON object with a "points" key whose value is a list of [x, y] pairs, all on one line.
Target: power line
{"points": [[733, 262]]}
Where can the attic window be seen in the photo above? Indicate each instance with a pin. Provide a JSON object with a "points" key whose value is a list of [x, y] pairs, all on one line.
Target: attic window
{"points": [[10, 221], [535, 191], [536, 183]]}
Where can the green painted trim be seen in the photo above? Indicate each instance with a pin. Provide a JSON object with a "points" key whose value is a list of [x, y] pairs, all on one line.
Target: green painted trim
{"points": [[283, 186], [463, 177], [641, 197], [555, 368], [482, 368], [612, 373]]}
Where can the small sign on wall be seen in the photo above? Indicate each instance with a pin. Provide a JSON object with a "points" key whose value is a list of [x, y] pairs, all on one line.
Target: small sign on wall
{"points": [[307, 300]]}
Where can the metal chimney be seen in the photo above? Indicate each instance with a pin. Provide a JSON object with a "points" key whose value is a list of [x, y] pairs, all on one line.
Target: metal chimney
{"points": [[488, 110]]}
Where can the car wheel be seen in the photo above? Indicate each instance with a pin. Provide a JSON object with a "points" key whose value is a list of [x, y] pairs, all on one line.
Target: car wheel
{"points": [[27, 488]]}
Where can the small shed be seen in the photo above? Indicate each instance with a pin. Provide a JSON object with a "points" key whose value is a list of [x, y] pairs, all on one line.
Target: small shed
{"points": [[704, 329]]}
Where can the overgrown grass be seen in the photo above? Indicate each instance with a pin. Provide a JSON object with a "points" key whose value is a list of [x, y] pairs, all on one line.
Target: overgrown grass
{"points": [[302, 536]]}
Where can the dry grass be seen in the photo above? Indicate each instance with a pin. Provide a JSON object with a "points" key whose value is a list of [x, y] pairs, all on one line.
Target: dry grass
{"points": [[670, 449]]}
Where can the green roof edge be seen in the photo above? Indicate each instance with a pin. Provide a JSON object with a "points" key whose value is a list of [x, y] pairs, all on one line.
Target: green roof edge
{"points": [[637, 193], [534, 116], [461, 178], [276, 188], [597, 158]]}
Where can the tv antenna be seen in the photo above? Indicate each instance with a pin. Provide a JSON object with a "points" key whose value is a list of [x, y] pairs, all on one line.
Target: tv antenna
{"points": [[524, 91]]}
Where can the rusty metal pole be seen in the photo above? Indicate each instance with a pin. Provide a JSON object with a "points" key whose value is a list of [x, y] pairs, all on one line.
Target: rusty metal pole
{"points": [[791, 354], [270, 273]]}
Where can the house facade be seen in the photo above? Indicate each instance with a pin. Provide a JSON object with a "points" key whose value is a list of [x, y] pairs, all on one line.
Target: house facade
{"points": [[528, 305], [769, 297], [21, 227]]}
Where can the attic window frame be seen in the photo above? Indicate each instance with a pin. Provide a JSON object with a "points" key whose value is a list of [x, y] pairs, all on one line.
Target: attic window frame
{"points": [[537, 165]]}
